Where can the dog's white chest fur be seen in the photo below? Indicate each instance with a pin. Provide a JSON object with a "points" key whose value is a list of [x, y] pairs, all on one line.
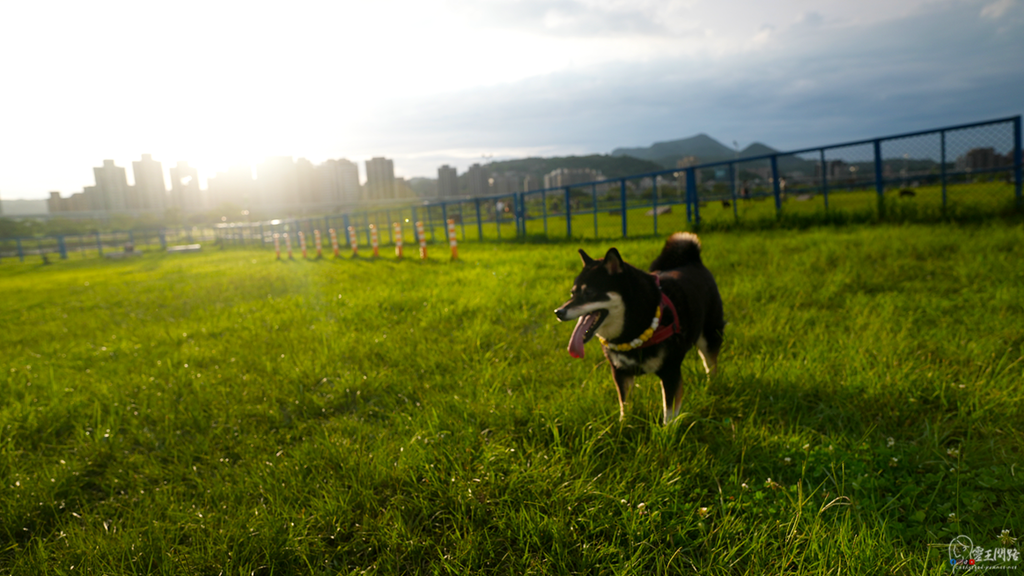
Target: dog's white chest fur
{"points": [[613, 323], [647, 364]]}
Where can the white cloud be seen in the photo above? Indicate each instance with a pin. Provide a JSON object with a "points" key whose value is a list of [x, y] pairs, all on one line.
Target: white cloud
{"points": [[999, 8]]}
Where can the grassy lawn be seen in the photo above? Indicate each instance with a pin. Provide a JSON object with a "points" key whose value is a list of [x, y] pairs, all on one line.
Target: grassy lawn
{"points": [[224, 412]]}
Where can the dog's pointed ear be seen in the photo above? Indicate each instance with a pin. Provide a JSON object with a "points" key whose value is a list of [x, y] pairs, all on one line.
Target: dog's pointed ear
{"points": [[612, 261], [587, 260]]}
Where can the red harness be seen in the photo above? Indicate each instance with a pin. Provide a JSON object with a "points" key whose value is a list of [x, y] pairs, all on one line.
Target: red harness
{"points": [[664, 331]]}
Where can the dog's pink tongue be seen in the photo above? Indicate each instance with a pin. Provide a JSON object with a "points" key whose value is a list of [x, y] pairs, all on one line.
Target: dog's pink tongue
{"points": [[576, 340]]}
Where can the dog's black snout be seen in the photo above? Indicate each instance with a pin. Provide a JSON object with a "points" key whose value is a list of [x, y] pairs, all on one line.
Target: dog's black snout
{"points": [[560, 313]]}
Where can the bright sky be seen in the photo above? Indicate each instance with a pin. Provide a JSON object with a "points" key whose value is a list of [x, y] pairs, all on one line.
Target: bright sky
{"points": [[428, 82]]}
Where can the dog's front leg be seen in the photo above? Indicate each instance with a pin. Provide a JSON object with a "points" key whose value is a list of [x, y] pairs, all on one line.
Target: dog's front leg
{"points": [[671, 390], [623, 382]]}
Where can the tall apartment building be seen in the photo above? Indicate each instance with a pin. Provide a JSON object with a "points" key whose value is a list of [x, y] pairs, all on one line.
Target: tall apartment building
{"points": [[478, 185], [380, 179], [447, 182], [185, 194], [305, 183], [111, 187], [325, 183], [336, 182], [346, 180], [236, 186], [55, 203], [150, 188], [276, 182], [347, 175]]}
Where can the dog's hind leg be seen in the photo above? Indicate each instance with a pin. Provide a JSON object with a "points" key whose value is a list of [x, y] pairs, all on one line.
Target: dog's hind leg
{"points": [[671, 391], [623, 382], [707, 356], [710, 340]]}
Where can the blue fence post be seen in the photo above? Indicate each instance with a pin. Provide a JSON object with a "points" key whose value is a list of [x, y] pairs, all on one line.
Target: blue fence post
{"points": [[776, 186], [522, 207], [515, 220], [593, 195], [544, 212], [622, 204], [63, 248], [734, 172], [691, 192], [345, 223], [1018, 169], [497, 217], [462, 222], [444, 214], [99, 244], [696, 200], [654, 201], [879, 182], [479, 221], [163, 240], [824, 178], [21, 251], [942, 165], [391, 229], [568, 214], [517, 214]]}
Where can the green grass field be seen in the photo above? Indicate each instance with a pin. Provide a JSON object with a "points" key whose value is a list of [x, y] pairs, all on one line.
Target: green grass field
{"points": [[225, 413]]}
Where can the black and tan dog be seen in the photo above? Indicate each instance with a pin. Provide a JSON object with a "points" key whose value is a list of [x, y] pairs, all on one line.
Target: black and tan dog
{"points": [[647, 322]]}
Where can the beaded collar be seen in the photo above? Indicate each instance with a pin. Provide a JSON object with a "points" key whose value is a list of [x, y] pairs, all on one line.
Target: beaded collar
{"points": [[638, 341], [652, 335]]}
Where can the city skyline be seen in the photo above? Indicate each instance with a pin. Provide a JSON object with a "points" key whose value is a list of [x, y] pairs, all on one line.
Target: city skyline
{"points": [[277, 183], [222, 86]]}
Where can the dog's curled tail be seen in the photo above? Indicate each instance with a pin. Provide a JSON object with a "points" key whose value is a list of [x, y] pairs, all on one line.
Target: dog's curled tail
{"points": [[680, 249]]}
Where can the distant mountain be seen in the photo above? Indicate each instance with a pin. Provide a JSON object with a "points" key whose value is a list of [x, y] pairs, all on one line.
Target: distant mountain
{"points": [[706, 149], [757, 149], [702, 146]]}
